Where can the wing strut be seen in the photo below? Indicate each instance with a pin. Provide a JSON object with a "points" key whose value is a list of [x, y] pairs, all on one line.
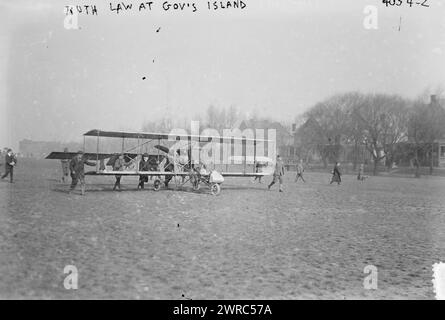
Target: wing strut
{"points": [[254, 156], [97, 153], [245, 155]]}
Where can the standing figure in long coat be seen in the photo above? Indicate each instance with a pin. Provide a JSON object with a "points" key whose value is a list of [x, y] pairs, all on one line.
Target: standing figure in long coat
{"points": [[10, 162], [144, 165], [77, 168], [336, 174], [361, 171]]}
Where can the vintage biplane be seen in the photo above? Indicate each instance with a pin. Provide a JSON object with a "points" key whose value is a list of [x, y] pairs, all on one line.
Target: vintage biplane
{"points": [[180, 161]]}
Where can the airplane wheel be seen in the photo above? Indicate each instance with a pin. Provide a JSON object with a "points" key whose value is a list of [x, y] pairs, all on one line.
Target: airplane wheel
{"points": [[215, 189], [157, 185]]}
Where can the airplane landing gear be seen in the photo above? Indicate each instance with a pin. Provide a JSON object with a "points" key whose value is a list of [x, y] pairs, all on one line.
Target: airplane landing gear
{"points": [[157, 185], [215, 189]]}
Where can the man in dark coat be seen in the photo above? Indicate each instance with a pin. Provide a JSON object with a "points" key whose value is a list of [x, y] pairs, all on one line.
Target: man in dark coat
{"points": [[153, 165], [10, 162], [361, 171], [336, 174], [144, 165], [77, 168]]}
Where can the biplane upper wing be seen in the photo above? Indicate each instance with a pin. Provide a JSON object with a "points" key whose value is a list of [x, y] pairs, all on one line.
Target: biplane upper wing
{"points": [[163, 136]]}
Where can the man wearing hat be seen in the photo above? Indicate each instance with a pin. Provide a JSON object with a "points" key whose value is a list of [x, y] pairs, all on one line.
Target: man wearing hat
{"points": [[144, 165], [10, 162], [77, 169]]}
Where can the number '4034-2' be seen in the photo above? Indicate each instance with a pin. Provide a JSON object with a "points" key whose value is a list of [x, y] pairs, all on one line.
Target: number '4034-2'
{"points": [[388, 3]]}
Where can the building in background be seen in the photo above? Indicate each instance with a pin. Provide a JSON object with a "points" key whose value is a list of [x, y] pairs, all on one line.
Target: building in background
{"points": [[441, 152]]}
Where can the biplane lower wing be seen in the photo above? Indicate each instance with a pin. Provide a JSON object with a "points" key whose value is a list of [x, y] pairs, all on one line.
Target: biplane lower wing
{"points": [[69, 155], [60, 155], [242, 174], [168, 173], [135, 173]]}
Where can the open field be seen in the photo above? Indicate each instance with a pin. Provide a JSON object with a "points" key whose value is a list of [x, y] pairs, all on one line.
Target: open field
{"points": [[312, 241]]}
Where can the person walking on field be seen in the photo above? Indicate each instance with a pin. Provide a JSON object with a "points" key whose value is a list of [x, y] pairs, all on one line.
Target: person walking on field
{"points": [[77, 168], [336, 174], [361, 171], [10, 162], [300, 170], [65, 166], [278, 174]]}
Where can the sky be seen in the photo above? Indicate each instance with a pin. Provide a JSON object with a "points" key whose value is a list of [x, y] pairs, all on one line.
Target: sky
{"points": [[273, 58]]}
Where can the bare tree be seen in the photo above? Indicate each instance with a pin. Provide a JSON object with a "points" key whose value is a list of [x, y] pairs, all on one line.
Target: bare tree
{"points": [[161, 125], [418, 131], [426, 126], [333, 122], [382, 120], [232, 116], [212, 117], [352, 129]]}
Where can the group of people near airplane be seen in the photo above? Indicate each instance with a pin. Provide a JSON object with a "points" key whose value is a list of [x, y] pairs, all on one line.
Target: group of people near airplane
{"points": [[75, 169]]}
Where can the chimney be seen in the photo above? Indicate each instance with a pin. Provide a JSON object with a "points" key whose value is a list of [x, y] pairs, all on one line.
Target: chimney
{"points": [[433, 99]]}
